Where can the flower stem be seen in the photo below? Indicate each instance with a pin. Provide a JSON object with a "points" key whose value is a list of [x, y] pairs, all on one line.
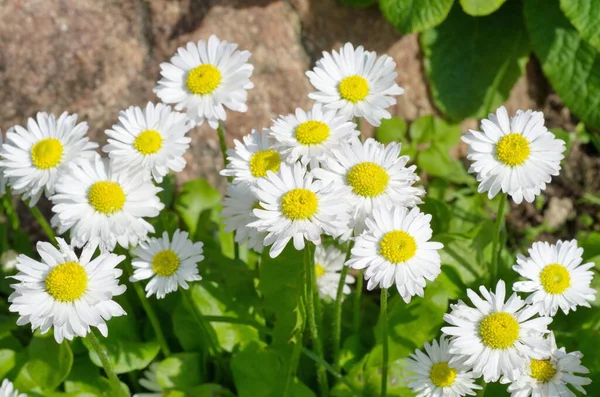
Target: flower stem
{"points": [[164, 346], [384, 328], [213, 347], [44, 224], [222, 143], [337, 310], [309, 267], [9, 210], [115, 384], [499, 224], [356, 303], [482, 391]]}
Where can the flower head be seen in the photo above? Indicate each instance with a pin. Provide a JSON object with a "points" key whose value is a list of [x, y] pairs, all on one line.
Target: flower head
{"points": [[7, 389], [328, 264], [238, 205]]}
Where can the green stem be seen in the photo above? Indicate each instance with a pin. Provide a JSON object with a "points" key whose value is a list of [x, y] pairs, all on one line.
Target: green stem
{"points": [[331, 370], [9, 210], [115, 384], [213, 347], [164, 346], [496, 238], [384, 330], [44, 224], [312, 319], [356, 303], [482, 391], [222, 143], [337, 311]]}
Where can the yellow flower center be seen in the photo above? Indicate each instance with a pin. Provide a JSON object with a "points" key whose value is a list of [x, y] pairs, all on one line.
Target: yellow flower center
{"points": [[312, 132], [320, 270], [47, 153], [148, 142], [513, 149], [555, 279], [368, 179], [354, 88], [542, 370], [165, 263], [442, 375], [499, 330], [203, 79], [106, 197], [397, 246], [299, 204], [67, 282], [263, 161]]}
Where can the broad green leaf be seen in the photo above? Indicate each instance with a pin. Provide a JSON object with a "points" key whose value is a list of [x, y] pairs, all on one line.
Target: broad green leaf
{"points": [[209, 390], [584, 15], [85, 380], [49, 362], [195, 197], [168, 190], [8, 360], [180, 371], [391, 130], [479, 8], [410, 16], [571, 64], [472, 63]]}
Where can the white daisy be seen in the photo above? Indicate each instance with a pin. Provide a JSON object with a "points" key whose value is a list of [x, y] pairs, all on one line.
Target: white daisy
{"points": [[495, 338], [395, 249], [169, 263], [435, 376], [377, 176], [516, 156], [550, 376], [238, 204], [2, 178], [328, 264], [150, 382], [306, 136], [205, 78], [253, 158], [153, 139], [295, 206], [33, 158], [8, 390], [356, 82], [556, 277], [104, 207], [67, 293]]}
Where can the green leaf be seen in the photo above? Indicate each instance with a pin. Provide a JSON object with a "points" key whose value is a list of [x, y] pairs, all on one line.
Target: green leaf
{"points": [[168, 190], [571, 64], [480, 7], [410, 16], [391, 130], [167, 221], [472, 63], [180, 371], [209, 390], [584, 15], [49, 362], [8, 360], [195, 197]]}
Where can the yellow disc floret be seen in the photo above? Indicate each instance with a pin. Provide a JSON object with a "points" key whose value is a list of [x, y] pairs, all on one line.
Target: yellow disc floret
{"points": [[368, 179], [106, 197], [397, 246], [513, 149], [312, 132], [263, 161], [165, 263], [542, 370], [442, 375], [555, 278], [320, 270], [354, 88], [203, 79], [47, 153], [499, 330], [67, 282], [298, 204], [148, 142]]}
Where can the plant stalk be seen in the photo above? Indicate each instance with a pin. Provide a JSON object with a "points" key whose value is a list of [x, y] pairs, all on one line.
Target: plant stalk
{"points": [[43, 223], [115, 384], [213, 347], [356, 303], [499, 224], [162, 341], [384, 327], [337, 310]]}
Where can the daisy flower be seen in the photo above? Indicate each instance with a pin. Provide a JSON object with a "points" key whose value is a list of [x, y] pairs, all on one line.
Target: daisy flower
{"points": [[104, 207], [150, 382], [328, 264], [2, 178], [356, 83], [152, 139], [168, 263], [306, 136], [435, 376], [34, 157], [252, 158], [517, 156], [551, 375], [238, 204], [375, 174], [295, 206], [556, 277], [495, 338], [8, 390], [205, 78], [395, 249], [67, 293]]}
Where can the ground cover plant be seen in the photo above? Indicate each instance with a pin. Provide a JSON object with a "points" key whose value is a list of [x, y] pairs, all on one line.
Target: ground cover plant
{"points": [[328, 266]]}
